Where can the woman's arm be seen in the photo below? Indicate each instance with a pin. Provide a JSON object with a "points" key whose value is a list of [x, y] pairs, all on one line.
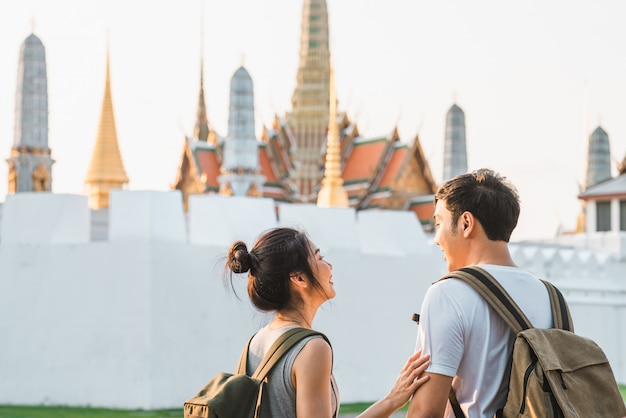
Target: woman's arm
{"points": [[405, 386], [311, 379]]}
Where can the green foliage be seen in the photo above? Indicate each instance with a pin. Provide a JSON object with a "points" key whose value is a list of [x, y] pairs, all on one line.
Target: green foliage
{"points": [[622, 388]]}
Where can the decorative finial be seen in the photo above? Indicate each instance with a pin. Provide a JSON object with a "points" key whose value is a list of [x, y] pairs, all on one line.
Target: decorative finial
{"points": [[202, 30], [108, 37], [332, 193]]}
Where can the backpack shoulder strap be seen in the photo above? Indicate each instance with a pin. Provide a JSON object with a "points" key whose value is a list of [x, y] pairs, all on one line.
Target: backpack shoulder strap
{"points": [[243, 358], [493, 292], [498, 298], [280, 347], [560, 311]]}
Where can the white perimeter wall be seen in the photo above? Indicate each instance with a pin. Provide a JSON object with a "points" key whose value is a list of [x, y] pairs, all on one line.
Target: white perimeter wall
{"points": [[140, 317], [143, 320]]}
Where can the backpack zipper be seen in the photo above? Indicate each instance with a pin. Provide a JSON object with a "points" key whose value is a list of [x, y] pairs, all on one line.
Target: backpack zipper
{"points": [[529, 370]]}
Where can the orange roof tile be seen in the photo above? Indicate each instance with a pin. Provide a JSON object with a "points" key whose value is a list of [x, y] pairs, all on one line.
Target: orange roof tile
{"points": [[266, 165], [392, 167], [363, 159], [207, 161], [424, 210], [277, 148]]}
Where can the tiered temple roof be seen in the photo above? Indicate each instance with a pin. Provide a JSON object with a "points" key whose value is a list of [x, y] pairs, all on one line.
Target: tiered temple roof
{"points": [[382, 172]]}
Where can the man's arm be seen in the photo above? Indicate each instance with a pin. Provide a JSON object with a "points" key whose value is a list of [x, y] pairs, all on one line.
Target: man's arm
{"points": [[430, 400]]}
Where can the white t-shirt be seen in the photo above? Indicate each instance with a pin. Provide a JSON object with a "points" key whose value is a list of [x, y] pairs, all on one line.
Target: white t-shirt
{"points": [[469, 340]]}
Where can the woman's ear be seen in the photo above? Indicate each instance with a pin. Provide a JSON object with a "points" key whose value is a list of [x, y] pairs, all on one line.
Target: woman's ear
{"points": [[297, 279]]}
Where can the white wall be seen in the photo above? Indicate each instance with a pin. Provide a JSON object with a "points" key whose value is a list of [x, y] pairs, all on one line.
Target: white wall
{"points": [[143, 319]]}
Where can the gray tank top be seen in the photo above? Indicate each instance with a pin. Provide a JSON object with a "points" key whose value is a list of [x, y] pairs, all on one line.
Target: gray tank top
{"points": [[279, 400]]}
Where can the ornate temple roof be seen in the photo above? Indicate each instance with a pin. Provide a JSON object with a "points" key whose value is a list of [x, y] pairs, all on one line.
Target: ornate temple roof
{"points": [[609, 189], [380, 172], [201, 159]]}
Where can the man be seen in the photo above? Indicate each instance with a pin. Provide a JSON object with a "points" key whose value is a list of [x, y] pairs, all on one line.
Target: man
{"points": [[470, 345]]}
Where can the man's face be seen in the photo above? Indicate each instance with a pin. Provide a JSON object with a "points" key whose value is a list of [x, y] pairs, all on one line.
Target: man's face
{"points": [[449, 237]]}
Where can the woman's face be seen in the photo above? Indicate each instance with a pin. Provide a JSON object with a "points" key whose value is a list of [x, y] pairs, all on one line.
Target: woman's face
{"points": [[323, 272]]}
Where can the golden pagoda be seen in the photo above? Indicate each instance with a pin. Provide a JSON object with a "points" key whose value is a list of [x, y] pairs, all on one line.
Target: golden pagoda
{"points": [[106, 170], [332, 193]]}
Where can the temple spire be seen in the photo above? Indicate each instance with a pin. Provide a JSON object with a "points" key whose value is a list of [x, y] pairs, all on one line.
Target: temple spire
{"points": [[106, 170], [30, 164], [240, 167], [308, 119], [332, 193], [598, 158], [201, 130], [455, 149]]}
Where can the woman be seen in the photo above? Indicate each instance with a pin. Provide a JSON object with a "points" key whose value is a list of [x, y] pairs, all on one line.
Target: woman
{"points": [[288, 275]]}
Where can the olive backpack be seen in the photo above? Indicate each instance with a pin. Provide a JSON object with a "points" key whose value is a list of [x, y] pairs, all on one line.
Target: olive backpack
{"points": [[238, 395], [554, 372]]}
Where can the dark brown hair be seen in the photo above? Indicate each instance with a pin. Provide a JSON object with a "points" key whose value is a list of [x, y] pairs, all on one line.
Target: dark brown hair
{"points": [[276, 255], [490, 197]]}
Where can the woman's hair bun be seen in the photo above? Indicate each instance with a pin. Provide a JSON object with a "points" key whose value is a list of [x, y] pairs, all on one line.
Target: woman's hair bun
{"points": [[238, 258]]}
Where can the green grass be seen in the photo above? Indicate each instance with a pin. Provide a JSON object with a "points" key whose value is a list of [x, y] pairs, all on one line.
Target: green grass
{"points": [[353, 408], [75, 412], [71, 412]]}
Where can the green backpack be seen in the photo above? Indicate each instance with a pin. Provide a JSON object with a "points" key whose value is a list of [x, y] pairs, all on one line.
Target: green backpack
{"points": [[238, 395], [554, 372]]}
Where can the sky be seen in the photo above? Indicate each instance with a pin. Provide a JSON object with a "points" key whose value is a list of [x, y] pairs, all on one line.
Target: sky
{"points": [[533, 77]]}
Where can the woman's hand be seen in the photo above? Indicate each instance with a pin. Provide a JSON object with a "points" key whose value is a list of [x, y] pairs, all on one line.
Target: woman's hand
{"points": [[408, 381]]}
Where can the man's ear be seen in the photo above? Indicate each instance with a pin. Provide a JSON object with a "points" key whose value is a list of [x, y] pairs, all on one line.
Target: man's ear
{"points": [[467, 223]]}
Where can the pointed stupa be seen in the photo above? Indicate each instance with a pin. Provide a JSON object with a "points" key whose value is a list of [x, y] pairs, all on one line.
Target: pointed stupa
{"points": [[332, 193], [240, 165], [30, 164], [598, 158], [455, 150], [106, 170], [308, 119], [201, 130]]}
